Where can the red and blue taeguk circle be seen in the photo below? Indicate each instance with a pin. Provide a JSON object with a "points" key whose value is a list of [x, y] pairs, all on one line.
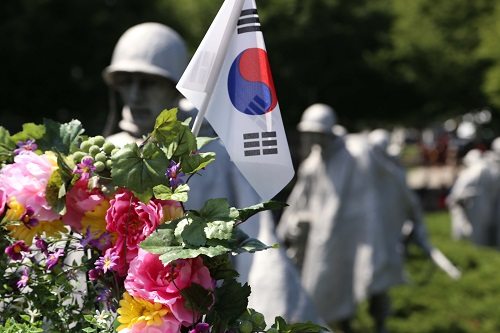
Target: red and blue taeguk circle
{"points": [[250, 83]]}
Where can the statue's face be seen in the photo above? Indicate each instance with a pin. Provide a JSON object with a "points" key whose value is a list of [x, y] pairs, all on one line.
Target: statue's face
{"points": [[146, 96], [308, 139]]}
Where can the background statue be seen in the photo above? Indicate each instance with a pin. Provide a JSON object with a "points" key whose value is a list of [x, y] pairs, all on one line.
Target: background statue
{"points": [[473, 200], [329, 198]]}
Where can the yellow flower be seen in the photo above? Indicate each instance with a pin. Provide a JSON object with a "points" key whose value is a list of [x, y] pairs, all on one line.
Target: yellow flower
{"points": [[15, 211], [48, 228], [21, 231], [95, 220], [134, 310], [52, 157]]}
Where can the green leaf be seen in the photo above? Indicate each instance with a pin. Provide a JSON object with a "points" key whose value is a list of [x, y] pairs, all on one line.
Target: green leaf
{"points": [[65, 169], [25, 317], [174, 136], [61, 137], [194, 233], [186, 141], [178, 252], [5, 138], [220, 267], [53, 192], [164, 125], [216, 209], [89, 318], [164, 192], [231, 300], [202, 141], [252, 245], [181, 193], [139, 172], [241, 243], [198, 299], [280, 324], [160, 241], [7, 145], [246, 213], [30, 131], [196, 162]]}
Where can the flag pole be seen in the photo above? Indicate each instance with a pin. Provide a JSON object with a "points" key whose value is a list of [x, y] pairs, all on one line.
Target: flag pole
{"points": [[218, 61]]}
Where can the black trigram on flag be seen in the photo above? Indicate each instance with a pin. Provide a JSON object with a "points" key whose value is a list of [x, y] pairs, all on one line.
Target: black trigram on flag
{"points": [[249, 21], [263, 143]]}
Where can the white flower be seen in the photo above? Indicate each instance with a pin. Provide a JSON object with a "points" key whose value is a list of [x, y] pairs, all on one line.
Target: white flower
{"points": [[101, 318]]}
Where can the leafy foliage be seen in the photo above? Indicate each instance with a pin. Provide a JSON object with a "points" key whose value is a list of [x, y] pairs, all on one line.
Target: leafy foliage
{"points": [[441, 58], [11, 326], [60, 137], [209, 232], [6, 145], [139, 170], [165, 193]]}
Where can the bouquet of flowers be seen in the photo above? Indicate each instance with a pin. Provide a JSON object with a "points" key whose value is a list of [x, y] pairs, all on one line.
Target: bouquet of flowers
{"points": [[96, 238]]}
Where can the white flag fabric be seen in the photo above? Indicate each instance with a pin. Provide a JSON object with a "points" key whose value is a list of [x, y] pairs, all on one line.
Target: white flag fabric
{"points": [[229, 81]]}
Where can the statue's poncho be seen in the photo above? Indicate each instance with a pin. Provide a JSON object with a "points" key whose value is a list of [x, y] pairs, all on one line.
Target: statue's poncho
{"points": [[330, 193], [474, 202]]}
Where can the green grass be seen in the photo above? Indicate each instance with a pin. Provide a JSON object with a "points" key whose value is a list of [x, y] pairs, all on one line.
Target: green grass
{"points": [[431, 302]]}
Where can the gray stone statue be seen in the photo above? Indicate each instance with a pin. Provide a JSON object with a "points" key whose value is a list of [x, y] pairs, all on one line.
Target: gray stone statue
{"points": [[330, 200], [147, 62], [473, 200]]}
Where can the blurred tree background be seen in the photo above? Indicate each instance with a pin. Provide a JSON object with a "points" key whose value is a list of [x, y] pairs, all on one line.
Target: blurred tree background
{"points": [[377, 62]]}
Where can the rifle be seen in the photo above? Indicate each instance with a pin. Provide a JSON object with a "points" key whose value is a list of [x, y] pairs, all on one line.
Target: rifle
{"points": [[416, 233]]}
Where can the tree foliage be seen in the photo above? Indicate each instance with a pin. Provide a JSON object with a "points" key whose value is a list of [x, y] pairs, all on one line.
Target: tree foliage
{"points": [[376, 62]]}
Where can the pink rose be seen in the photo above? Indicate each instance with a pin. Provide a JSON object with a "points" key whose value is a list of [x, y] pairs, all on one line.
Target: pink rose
{"points": [[3, 200], [25, 180], [80, 200], [132, 221], [149, 279]]}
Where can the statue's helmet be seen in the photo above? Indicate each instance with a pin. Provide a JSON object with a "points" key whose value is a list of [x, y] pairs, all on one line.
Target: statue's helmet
{"points": [[472, 157], [150, 48], [380, 138], [495, 145], [318, 118]]}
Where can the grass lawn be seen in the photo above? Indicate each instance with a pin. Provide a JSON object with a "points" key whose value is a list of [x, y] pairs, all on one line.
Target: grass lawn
{"points": [[431, 302]]}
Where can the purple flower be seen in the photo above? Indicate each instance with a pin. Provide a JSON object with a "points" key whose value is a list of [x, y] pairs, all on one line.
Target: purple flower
{"points": [[85, 168], [105, 296], [53, 258], [174, 175], [23, 281], [95, 273], [103, 242], [14, 250], [41, 244], [107, 262], [25, 146], [28, 219], [87, 238], [201, 328]]}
